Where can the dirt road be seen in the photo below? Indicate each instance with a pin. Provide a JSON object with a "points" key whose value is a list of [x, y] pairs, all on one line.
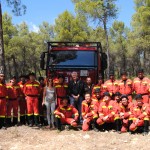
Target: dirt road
{"points": [[26, 138]]}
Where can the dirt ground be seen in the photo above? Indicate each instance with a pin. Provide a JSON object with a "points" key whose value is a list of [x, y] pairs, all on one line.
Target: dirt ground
{"points": [[26, 138]]}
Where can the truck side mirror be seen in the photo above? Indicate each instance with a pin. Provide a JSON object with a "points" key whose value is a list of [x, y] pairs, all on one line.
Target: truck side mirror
{"points": [[42, 61]]}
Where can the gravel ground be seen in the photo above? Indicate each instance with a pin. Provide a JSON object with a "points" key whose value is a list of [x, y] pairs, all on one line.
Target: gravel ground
{"points": [[26, 138]]}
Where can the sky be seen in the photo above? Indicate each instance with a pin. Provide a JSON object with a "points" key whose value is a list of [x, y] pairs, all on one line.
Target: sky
{"points": [[48, 10]]}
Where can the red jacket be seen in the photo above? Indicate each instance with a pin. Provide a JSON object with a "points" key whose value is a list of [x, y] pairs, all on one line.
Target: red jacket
{"points": [[107, 109], [32, 88], [126, 110], [3, 91], [111, 87], [125, 88], [14, 92], [141, 86], [61, 90], [68, 111], [141, 113], [89, 110]]}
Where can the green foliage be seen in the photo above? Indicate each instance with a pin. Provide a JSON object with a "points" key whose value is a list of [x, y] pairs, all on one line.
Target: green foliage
{"points": [[70, 28]]}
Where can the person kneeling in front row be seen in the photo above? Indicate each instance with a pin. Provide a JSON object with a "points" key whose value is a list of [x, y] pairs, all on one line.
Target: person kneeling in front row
{"points": [[108, 114], [89, 113], [66, 114]]}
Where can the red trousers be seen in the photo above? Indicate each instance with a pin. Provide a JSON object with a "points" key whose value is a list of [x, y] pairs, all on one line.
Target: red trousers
{"points": [[69, 121], [23, 107], [32, 106], [125, 123], [12, 105], [133, 126], [2, 108], [86, 124]]}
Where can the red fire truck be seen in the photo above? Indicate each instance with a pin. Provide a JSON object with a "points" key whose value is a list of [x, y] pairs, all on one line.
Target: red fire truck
{"points": [[86, 58]]}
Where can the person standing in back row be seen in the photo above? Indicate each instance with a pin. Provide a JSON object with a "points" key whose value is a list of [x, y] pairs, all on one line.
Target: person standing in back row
{"points": [[141, 85], [3, 97], [76, 90], [49, 99], [32, 92]]}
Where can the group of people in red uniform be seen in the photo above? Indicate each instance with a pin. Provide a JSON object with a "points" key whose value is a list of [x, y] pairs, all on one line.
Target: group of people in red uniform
{"points": [[122, 105]]}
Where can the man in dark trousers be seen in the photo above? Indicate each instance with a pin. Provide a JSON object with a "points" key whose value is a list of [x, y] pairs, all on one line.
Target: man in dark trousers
{"points": [[76, 90]]}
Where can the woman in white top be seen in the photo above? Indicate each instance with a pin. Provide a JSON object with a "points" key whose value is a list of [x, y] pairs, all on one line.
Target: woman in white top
{"points": [[49, 99]]}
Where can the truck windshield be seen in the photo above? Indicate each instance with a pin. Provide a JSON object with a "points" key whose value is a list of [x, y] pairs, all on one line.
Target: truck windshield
{"points": [[73, 59]]}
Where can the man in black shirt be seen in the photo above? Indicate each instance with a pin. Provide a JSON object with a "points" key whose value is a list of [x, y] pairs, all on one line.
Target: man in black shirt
{"points": [[76, 91]]}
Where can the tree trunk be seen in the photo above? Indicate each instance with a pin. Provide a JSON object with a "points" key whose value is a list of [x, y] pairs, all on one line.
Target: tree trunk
{"points": [[15, 66], [2, 56], [107, 47]]}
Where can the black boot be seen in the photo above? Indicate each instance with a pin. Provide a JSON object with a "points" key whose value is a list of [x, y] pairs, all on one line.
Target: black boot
{"points": [[15, 121], [1, 122], [8, 122], [58, 123], [146, 125], [30, 120], [42, 120], [36, 120], [95, 126], [22, 120], [118, 125]]}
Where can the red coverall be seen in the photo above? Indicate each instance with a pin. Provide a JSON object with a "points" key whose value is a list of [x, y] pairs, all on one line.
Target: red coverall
{"points": [[107, 109], [142, 114], [3, 96], [14, 93], [68, 112], [126, 88], [89, 112], [141, 87], [32, 92], [111, 87], [61, 91], [22, 102], [126, 117]]}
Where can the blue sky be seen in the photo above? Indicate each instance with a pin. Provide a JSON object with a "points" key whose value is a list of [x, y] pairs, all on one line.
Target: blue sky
{"points": [[48, 10]]}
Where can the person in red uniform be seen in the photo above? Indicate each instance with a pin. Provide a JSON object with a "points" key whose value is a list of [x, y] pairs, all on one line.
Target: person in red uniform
{"points": [[111, 85], [140, 114], [32, 92], [66, 114], [89, 113], [97, 99], [125, 85], [141, 86], [3, 97], [41, 107], [117, 100], [22, 101], [100, 86], [108, 114], [14, 94], [61, 89], [125, 112]]}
